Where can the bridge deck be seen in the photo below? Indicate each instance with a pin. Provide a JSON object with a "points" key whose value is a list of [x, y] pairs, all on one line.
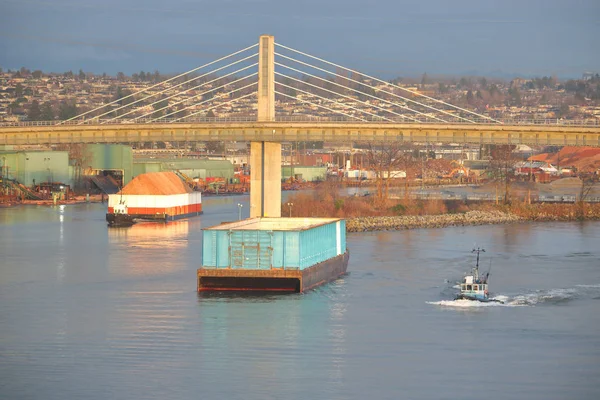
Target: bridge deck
{"points": [[559, 135]]}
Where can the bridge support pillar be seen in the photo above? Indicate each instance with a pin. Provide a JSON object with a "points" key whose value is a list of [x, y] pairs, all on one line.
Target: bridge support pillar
{"points": [[265, 179], [265, 157]]}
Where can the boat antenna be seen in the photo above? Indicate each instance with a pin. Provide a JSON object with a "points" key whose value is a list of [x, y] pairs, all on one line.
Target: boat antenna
{"points": [[478, 250]]}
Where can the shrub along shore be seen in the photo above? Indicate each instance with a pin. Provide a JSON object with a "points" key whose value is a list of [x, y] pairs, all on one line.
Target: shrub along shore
{"points": [[365, 215]]}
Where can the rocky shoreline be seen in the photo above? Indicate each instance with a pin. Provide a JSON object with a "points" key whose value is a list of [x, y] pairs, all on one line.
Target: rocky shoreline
{"points": [[470, 218]]}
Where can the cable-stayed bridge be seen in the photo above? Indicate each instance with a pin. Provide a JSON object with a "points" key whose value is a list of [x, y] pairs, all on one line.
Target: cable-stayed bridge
{"points": [[313, 99], [270, 93]]}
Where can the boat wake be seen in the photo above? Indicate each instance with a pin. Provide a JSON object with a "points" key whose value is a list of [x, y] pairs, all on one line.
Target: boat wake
{"points": [[466, 303], [556, 296], [539, 297]]}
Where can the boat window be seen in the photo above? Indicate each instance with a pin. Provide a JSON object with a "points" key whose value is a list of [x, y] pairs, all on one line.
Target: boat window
{"points": [[468, 287], [474, 287]]}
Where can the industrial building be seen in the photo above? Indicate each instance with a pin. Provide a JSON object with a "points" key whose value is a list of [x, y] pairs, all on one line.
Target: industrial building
{"points": [[31, 167], [101, 163], [305, 173], [193, 168], [115, 160]]}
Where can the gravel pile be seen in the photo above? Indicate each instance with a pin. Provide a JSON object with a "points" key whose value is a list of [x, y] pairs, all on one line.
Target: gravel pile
{"points": [[366, 224]]}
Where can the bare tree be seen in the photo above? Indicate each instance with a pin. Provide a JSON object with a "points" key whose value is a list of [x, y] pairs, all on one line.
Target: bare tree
{"points": [[385, 158], [79, 158], [501, 164], [587, 183]]}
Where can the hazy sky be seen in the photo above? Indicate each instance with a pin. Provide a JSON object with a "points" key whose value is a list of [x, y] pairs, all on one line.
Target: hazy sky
{"points": [[388, 38]]}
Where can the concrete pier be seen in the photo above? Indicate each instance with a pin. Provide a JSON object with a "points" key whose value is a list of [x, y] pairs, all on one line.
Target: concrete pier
{"points": [[265, 157]]}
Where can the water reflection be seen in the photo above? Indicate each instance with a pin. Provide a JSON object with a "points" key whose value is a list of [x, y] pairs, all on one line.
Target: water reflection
{"points": [[152, 234], [147, 248], [126, 322], [272, 337]]}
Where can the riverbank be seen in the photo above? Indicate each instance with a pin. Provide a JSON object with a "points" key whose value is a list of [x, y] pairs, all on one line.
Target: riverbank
{"points": [[364, 214], [50, 202], [470, 218], [515, 214]]}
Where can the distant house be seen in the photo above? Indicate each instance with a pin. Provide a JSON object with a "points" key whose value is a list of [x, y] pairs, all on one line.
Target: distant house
{"points": [[525, 168], [518, 82]]}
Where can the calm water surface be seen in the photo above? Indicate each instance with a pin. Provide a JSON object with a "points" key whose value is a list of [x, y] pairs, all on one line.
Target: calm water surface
{"points": [[89, 312]]}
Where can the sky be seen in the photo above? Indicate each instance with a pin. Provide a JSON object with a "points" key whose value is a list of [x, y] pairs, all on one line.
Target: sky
{"points": [[385, 38]]}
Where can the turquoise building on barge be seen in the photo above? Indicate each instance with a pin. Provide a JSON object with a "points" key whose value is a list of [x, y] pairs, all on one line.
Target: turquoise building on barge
{"points": [[273, 254]]}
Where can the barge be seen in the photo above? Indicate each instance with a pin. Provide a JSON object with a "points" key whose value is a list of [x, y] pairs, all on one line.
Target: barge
{"points": [[154, 196], [273, 254]]}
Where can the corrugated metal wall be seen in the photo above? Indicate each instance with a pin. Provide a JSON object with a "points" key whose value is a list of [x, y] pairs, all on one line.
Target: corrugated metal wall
{"points": [[194, 168], [110, 157], [43, 166], [309, 174], [317, 244], [251, 249], [342, 225], [145, 167], [261, 249]]}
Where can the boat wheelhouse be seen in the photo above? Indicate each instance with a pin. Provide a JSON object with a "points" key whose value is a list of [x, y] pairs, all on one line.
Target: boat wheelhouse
{"points": [[120, 217]]}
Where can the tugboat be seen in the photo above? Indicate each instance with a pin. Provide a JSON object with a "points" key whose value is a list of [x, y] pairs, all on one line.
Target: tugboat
{"points": [[119, 217], [473, 287]]}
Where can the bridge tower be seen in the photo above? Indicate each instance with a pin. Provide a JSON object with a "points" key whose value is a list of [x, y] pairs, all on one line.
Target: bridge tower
{"points": [[265, 157]]}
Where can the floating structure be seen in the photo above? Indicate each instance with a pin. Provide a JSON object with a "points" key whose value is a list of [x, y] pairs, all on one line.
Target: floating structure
{"points": [[273, 254], [159, 196]]}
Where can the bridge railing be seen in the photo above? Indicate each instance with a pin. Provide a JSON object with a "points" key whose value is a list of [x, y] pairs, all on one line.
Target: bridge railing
{"points": [[308, 119]]}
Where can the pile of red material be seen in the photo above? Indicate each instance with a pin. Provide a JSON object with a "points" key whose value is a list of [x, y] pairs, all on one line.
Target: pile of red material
{"points": [[582, 158], [156, 183]]}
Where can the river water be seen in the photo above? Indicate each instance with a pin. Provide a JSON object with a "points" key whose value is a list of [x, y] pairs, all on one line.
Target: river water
{"points": [[89, 312]]}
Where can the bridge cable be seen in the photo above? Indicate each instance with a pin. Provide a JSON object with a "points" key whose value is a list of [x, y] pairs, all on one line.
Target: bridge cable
{"points": [[160, 83], [340, 95], [387, 83], [319, 105], [381, 90], [201, 94], [219, 105], [366, 94], [168, 89], [179, 93], [202, 102], [356, 100]]}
